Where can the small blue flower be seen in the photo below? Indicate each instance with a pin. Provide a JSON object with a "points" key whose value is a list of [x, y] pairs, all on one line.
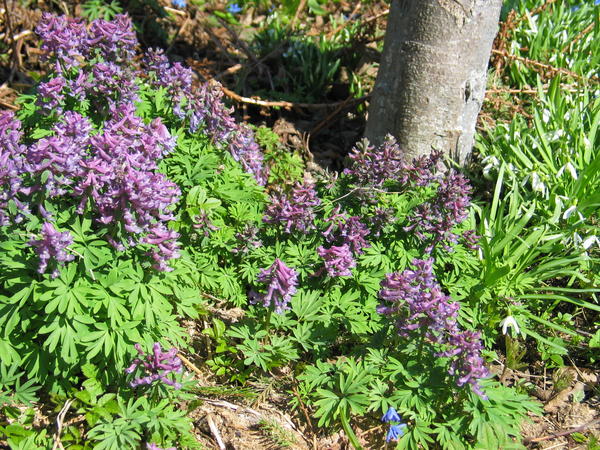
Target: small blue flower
{"points": [[395, 432], [234, 8], [577, 8], [179, 4], [391, 416]]}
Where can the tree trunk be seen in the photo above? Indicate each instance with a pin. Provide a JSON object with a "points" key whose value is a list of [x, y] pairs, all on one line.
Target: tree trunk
{"points": [[432, 76]]}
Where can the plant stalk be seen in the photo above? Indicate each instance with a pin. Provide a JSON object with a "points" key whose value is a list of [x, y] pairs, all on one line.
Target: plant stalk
{"points": [[348, 430]]}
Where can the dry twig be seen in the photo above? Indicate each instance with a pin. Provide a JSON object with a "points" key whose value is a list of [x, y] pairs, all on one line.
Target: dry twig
{"points": [[306, 415], [540, 65], [585, 31], [578, 429], [215, 432], [299, 10], [59, 424], [288, 105], [190, 365]]}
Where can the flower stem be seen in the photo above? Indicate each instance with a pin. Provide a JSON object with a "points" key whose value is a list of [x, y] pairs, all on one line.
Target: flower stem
{"points": [[420, 347], [268, 319], [348, 430]]}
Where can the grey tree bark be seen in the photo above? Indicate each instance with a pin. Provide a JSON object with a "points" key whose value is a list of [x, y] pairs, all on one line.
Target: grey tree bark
{"points": [[432, 75]]}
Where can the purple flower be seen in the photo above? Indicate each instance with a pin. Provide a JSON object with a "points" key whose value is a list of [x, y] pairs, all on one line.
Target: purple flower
{"points": [[156, 447], [434, 220], [294, 210], [64, 40], [205, 110], [202, 222], [338, 260], [353, 233], [51, 94], [156, 366], [246, 151], [281, 282], [248, 239], [61, 156], [418, 303], [176, 78], [13, 165], [348, 230], [470, 239], [52, 246], [372, 166], [467, 364], [115, 39], [114, 83]]}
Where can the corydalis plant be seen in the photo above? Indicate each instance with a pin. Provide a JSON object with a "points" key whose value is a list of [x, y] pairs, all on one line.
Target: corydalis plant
{"points": [[434, 220], [52, 247], [203, 107], [156, 366], [113, 172], [373, 166], [348, 230], [281, 282], [415, 301], [294, 210], [338, 260]]}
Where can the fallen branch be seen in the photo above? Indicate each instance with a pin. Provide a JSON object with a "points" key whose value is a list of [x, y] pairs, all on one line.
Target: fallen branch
{"points": [[527, 90], [578, 429], [306, 415], [9, 106], [541, 65], [189, 364], [327, 119], [288, 105], [586, 30]]}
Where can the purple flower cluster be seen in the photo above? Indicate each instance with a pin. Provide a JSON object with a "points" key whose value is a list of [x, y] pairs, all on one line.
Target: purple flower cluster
{"points": [[416, 302], [372, 166], [116, 170], [248, 239], [349, 230], [52, 247], [122, 180], [101, 56], [12, 166], [281, 282], [156, 365], [434, 220], [64, 40], [338, 260], [104, 55], [204, 108], [61, 156], [68, 43], [349, 233], [294, 209]]}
